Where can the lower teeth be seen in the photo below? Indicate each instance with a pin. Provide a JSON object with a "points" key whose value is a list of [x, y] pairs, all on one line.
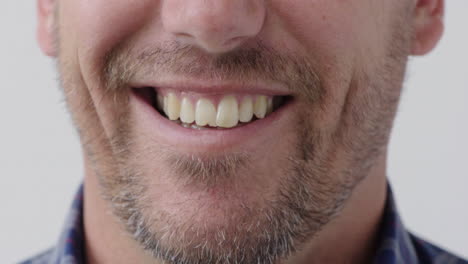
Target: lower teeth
{"points": [[194, 126]]}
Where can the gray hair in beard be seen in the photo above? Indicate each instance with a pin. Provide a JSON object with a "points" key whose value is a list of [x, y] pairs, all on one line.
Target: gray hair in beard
{"points": [[247, 65], [309, 196], [253, 236]]}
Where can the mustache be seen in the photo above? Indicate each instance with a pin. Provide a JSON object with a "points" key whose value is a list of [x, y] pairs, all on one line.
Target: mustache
{"points": [[255, 63]]}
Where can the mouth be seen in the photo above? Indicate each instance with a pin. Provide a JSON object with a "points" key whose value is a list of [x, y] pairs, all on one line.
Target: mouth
{"points": [[211, 111], [209, 121]]}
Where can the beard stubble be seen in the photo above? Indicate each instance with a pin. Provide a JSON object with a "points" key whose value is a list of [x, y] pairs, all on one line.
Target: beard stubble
{"points": [[310, 195]]}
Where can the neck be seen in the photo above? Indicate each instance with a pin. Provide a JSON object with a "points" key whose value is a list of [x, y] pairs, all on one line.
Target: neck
{"points": [[349, 238]]}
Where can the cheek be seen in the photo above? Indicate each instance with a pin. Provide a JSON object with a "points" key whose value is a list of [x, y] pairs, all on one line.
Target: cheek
{"points": [[328, 25], [96, 26], [88, 31], [334, 32], [341, 39]]}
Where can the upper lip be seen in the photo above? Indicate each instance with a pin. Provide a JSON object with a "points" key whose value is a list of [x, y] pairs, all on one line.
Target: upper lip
{"points": [[217, 87]]}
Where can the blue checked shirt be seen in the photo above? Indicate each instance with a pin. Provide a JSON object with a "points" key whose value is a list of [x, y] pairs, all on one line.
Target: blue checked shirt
{"points": [[396, 244]]}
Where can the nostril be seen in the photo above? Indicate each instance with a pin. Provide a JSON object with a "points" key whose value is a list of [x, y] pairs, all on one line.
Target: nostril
{"points": [[219, 45], [183, 35], [234, 41]]}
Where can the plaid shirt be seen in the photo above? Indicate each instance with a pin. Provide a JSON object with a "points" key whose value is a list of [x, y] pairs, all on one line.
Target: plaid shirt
{"points": [[396, 244]]}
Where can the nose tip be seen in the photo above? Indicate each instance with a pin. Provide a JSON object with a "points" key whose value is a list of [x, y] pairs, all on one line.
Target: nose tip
{"points": [[213, 25]]}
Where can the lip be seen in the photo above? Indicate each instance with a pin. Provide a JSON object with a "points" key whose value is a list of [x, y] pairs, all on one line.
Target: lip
{"points": [[213, 87], [212, 141]]}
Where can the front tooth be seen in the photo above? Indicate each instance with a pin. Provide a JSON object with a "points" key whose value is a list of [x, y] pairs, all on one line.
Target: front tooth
{"points": [[260, 106], [228, 112], [172, 106], [187, 113], [165, 103], [205, 113], [246, 109]]}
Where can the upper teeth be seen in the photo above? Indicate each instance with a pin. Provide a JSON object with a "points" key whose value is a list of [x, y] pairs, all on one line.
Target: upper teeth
{"points": [[202, 111]]}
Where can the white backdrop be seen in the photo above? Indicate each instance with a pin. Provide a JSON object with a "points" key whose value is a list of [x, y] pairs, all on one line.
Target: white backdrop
{"points": [[40, 159]]}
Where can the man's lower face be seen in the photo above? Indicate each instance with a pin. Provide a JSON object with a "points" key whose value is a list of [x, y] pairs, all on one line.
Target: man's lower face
{"points": [[233, 158]]}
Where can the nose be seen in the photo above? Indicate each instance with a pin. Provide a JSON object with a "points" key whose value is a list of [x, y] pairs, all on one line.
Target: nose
{"points": [[213, 25]]}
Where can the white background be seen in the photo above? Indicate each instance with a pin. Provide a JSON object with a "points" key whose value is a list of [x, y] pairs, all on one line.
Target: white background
{"points": [[40, 159]]}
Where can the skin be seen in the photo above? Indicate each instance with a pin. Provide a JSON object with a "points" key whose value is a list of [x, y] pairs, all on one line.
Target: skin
{"points": [[329, 147]]}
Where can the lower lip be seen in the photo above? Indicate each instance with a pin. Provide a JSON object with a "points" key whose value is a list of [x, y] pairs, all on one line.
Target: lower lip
{"points": [[213, 140]]}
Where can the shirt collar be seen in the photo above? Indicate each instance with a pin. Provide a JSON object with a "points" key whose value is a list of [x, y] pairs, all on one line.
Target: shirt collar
{"points": [[70, 247], [394, 246]]}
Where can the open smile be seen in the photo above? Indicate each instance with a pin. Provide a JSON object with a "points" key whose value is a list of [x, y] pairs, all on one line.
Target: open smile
{"points": [[211, 111], [211, 120]]}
